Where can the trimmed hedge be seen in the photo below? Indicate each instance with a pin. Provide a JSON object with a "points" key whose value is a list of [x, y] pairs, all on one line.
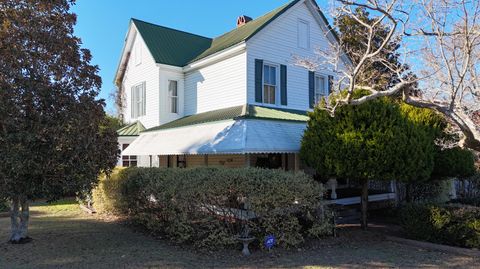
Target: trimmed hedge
{"points": [[455, 225], [205, 206]]}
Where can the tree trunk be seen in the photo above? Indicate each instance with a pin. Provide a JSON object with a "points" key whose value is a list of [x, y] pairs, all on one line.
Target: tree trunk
{"points": [[364, 204], [408, 193], [19, 220]]}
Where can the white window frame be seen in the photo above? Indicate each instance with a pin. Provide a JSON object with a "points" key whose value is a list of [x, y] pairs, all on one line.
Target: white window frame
{"points": [[138, 100], [172, 97], [299, 35], [318, 96], [277, 83]]}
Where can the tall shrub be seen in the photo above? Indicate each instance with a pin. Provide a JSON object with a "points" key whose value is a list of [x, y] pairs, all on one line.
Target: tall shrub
{"points": [[378, 140]]}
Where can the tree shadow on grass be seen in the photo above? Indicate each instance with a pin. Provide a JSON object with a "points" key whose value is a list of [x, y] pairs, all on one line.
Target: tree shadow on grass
{"points": [[76, 240]]}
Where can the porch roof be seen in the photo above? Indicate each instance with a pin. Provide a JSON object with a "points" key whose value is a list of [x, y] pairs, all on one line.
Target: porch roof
{"points": [[237, 112], [132, 129], [232, 136]]}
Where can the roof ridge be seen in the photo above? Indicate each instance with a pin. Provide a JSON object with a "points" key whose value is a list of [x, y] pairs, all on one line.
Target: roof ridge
{"points": [[170, 28], [262, 16]]}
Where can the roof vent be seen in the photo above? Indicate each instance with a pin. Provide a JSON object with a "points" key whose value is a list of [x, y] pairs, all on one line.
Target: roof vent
{"points": [[242, 20]]}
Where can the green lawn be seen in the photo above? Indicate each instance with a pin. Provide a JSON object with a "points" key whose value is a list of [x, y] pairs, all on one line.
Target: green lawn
{"points": [[65, 237]]}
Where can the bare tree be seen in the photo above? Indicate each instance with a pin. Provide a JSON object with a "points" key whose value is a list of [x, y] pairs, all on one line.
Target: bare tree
{"points": [[440, 43]]}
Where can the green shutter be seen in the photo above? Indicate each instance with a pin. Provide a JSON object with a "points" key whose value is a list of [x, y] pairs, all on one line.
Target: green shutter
{"points": [[283, 84], [330, 84], [311, 89], [258, 80]]}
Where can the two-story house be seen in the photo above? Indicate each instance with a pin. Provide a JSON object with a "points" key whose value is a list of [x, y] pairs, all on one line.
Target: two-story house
{"points": [[234, 100]]}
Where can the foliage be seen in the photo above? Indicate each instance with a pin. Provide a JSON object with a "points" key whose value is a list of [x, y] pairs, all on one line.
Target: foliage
{"points": [[53, 138], [113, 123], [454, 162], [453, 225], [3, 206], [204, 206], [378, 140], [354, 43]]}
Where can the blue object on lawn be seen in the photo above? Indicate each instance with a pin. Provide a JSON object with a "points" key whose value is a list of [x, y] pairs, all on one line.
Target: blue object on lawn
{"points": [[270, 242]]}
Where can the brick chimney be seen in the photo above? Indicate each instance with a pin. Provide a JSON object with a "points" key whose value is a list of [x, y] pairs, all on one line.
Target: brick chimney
{"points": [[242, 20]]}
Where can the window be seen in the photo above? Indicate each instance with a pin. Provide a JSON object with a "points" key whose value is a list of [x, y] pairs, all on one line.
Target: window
{"points": [[138, 53], [269, 84], [127, 160], [320, 88], [173, 95], [138, 100], [303, 34]]}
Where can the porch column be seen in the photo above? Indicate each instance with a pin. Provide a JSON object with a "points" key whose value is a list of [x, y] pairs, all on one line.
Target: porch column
{"points": [[297, 162], [332, 184], [150, 156], [205, 160], [247, 160]]}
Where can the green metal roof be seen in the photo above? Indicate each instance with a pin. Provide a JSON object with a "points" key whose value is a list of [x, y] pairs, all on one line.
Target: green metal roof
{"points": [[178, 48], [170, 46], [237, 112], [133, 129], [244, 32]]}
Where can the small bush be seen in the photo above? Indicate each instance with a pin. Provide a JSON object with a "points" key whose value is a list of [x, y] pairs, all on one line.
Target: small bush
{"points": [[449, 224], [210, 207], [4, 206]]}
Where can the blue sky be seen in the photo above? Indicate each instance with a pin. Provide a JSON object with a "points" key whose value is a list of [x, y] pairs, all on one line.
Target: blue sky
{"points": [[102, 25]]}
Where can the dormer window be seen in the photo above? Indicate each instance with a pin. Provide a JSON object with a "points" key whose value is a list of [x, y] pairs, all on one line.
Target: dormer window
{"points": [[269, 84]]}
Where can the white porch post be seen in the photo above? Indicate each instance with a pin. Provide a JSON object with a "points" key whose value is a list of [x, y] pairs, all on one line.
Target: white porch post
{"points": [[332, 184]]}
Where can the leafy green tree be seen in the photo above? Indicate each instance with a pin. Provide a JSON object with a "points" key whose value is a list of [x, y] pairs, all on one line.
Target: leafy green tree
{"points": [[354, 38], [378, 140], [113, 122], [54, 137]]}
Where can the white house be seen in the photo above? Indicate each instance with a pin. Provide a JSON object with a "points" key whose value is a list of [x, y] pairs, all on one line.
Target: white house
{"points": [[229, 100], [234, 100]]}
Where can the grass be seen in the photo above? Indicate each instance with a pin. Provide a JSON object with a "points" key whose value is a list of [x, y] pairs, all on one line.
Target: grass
{"points": [[65, 237]]}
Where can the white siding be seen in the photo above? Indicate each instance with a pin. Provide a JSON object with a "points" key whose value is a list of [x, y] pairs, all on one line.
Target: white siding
{"points": [[278, 43], [216, 86], [148, 72]]}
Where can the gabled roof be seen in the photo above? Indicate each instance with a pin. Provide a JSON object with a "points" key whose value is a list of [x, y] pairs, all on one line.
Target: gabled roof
{"points": [[244, 32], [237, 112], [170, 46], [133, 129], [178, 48]]}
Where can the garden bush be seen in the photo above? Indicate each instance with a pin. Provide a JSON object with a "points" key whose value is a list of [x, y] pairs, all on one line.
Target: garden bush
{"points": [[4, 206], [208, 207], [456, 225]]}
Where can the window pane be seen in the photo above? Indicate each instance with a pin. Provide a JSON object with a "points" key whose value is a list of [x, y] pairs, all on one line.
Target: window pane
{"points": [[133, 163], [125, 163], [273, 76], [272, 95], [133, 157], [172, 88]]}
